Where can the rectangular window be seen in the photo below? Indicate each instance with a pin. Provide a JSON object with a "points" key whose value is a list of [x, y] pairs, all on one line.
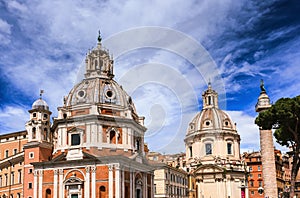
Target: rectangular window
{"points": [[252, 192], [19, 176], [30, 170], [15, 151], [6, 179], [251, 183], [229, 148], [250, 169], [251, 175], [12, 178], [259, 175], [258, 168], [30, 185], [260, 183], [75, 139], [191, 151], [208, 149], [6, 153]]}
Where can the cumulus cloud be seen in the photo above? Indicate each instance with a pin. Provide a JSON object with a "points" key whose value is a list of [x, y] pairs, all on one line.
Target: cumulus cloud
{"points": [[5, 31], [13, 118]]}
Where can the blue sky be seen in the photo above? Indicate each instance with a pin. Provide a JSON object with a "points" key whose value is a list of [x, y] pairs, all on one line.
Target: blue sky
{"points": [[43, 45]]}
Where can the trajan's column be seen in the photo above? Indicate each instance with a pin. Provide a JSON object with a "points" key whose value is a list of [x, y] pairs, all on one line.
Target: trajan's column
{"points": [[267, 148]]}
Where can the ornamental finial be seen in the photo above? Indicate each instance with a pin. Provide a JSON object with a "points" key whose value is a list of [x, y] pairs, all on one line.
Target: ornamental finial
{"points": [[41, 93], [99, 37]]}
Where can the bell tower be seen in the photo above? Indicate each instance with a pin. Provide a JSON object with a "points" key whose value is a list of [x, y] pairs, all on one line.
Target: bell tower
{"points": [[39, 145], [267, 148]]}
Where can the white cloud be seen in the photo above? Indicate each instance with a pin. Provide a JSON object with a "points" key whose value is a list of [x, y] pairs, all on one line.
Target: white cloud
{"points": [[15, 6], [5, 27], [5, 31], [13, 118]]}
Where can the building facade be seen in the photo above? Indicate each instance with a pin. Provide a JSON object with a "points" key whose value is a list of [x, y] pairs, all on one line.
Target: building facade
{"points": [[255, 176], [12, 164]]}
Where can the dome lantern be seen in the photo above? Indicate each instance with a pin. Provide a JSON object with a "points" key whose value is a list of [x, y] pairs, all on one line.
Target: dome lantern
{"points": [[98, 62], [210, 98]]}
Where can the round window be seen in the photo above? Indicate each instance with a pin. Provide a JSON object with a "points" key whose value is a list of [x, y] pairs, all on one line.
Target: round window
{"points": [[81, 93], [207, 123], [109, 94], [226, 123]]}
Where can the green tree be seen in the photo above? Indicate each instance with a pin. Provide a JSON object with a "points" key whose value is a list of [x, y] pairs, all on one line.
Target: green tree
{"points": [[284, 117]]}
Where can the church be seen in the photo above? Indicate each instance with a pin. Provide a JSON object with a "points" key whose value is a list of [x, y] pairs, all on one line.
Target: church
{"points": [[213, 152], [95, 147]]}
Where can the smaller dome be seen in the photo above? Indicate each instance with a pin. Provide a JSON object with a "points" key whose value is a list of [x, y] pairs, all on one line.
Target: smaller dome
{"points": [[211, 119], [40, 104]]}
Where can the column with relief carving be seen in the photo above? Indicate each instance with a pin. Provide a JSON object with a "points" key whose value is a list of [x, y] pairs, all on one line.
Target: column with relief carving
{"points": [[110, 181], [93, 169], [35, 182], [87, 182], [61, 182], [55, 181], [40, 183]]}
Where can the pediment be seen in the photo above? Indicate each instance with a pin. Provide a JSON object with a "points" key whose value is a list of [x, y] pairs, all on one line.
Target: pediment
{"points": [[62, 157], [208, 169]]}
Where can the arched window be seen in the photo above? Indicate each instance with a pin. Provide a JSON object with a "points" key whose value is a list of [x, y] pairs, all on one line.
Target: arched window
{"points": [[138, 145], [112, 136], [96, 64], [102, 191], [45, 134], [48, 193], [33, 133]]}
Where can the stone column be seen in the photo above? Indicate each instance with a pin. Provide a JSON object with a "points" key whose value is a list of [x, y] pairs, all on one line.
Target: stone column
{"points": [[117, 180], [123, 183], [145, 185], [110, 181], [152, 185], [268, 163], [55, 181], [267, 148], [93, 168], [61, 183], [35, 183], [87, 183], [131, 184], [40, 183]]}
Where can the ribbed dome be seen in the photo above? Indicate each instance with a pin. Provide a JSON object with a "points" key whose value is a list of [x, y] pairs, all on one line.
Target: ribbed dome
{"points": [[211, 119], [99, 91], [40, 104]]}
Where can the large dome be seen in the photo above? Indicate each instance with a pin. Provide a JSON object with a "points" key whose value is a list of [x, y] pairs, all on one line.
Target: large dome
{"points": [[99, 91]]}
